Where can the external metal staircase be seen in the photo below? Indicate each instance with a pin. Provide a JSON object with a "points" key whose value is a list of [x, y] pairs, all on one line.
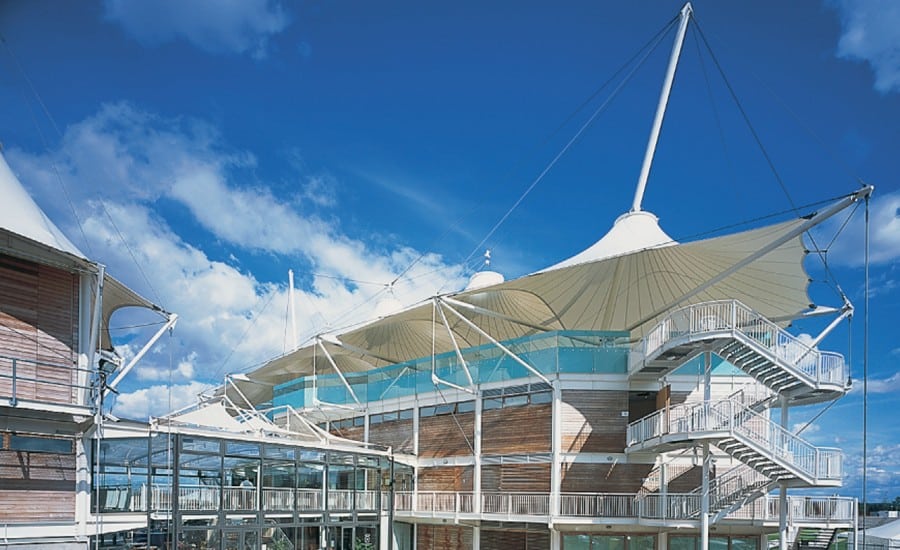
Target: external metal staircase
{"points": [[745, 435], [734, 489], [774, 357]]}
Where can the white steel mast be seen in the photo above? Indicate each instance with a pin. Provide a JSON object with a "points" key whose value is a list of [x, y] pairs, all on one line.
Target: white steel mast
{"points": [[686, 12]]}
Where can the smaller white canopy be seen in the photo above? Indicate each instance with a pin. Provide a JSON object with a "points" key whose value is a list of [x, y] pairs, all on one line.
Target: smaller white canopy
{"points": [[21, 215], [887, 531]]}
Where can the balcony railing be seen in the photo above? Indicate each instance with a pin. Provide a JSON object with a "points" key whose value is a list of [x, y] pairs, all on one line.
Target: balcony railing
{"points": [[193, 498], [674, 507], [698, 320], [522, 506], [28, 379]]}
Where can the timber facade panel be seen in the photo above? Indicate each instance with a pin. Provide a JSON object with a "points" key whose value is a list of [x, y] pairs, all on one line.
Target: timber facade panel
{"points": [[592, 420]]}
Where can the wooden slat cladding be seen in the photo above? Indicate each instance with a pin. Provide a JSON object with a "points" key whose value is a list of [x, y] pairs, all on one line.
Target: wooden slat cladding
{"points": [[356, 433], [685, 479], [396, 433], [38, 322], [446, 478], [504, 539], [604, 478], [36, 506], [592, 421], [444, 537], [517, 430], [446, 435], [36, 486], [516, 478]]}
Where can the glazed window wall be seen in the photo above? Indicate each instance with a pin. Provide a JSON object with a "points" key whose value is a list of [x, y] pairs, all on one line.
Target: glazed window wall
{"points": [[608, 542], [603, 352], [236, 494], [715, 543]]}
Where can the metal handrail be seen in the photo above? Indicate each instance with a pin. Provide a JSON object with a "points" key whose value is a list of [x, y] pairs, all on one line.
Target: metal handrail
{"points": [[671, 506], [808, 363], [11, 369], [726, 415]]}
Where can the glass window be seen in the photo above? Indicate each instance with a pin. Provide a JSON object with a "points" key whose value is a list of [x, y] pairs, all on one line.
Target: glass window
{"points": [[376, 419], [39, 444], [641, 542], [515, 400], [744, 544], [312, 456], [201, 445], [406, 414], [576, 542], [241, 448], [718, 543], [426, 411], [683, 543], [277, 451], [491, 404], [465, 406], [614, 542], [446, 408], [542, 397], [359, 421]]}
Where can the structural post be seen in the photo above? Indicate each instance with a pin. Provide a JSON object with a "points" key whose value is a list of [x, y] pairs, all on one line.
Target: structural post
{"points": [[476, 472], [704, 492], [556, 448], [782, 492]]}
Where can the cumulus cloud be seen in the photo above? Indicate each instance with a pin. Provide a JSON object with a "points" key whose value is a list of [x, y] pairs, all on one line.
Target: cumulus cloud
{"points": [[229, 318], [884, 233], [890, 384], [869, 34], [215, 26], [157, 400]]}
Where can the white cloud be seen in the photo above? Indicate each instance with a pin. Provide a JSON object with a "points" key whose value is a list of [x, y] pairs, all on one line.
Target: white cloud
{"points": [[805, 429], [216, 26], [157, 400], [884, 233], [890, 384], [180, 372], [869, 33], [229, 319]]}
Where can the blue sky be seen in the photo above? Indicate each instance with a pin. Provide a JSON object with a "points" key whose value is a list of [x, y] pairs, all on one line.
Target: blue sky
{"points": [[227, 142]]}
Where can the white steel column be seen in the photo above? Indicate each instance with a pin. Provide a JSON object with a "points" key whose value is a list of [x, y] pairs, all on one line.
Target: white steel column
{"points": [[476, 467], [555, 539], [782, 493], [704, 494], [556, 449]]}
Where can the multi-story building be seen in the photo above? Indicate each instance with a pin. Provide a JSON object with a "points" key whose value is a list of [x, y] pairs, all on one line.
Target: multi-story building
{"points": [[619, 399]]}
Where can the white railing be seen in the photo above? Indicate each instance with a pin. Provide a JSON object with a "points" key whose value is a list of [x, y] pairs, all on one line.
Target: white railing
{"points": [[808, 363], [673, 506], [278, 499], [670, 506], [516, 504], [239, 498], [340, 499], [769, 438], [309, 499], [366, 500], [198, 497], [594, 505]]}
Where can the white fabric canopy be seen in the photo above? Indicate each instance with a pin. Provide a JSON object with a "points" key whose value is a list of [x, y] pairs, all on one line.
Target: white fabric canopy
{"points": [[617, 290]]}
